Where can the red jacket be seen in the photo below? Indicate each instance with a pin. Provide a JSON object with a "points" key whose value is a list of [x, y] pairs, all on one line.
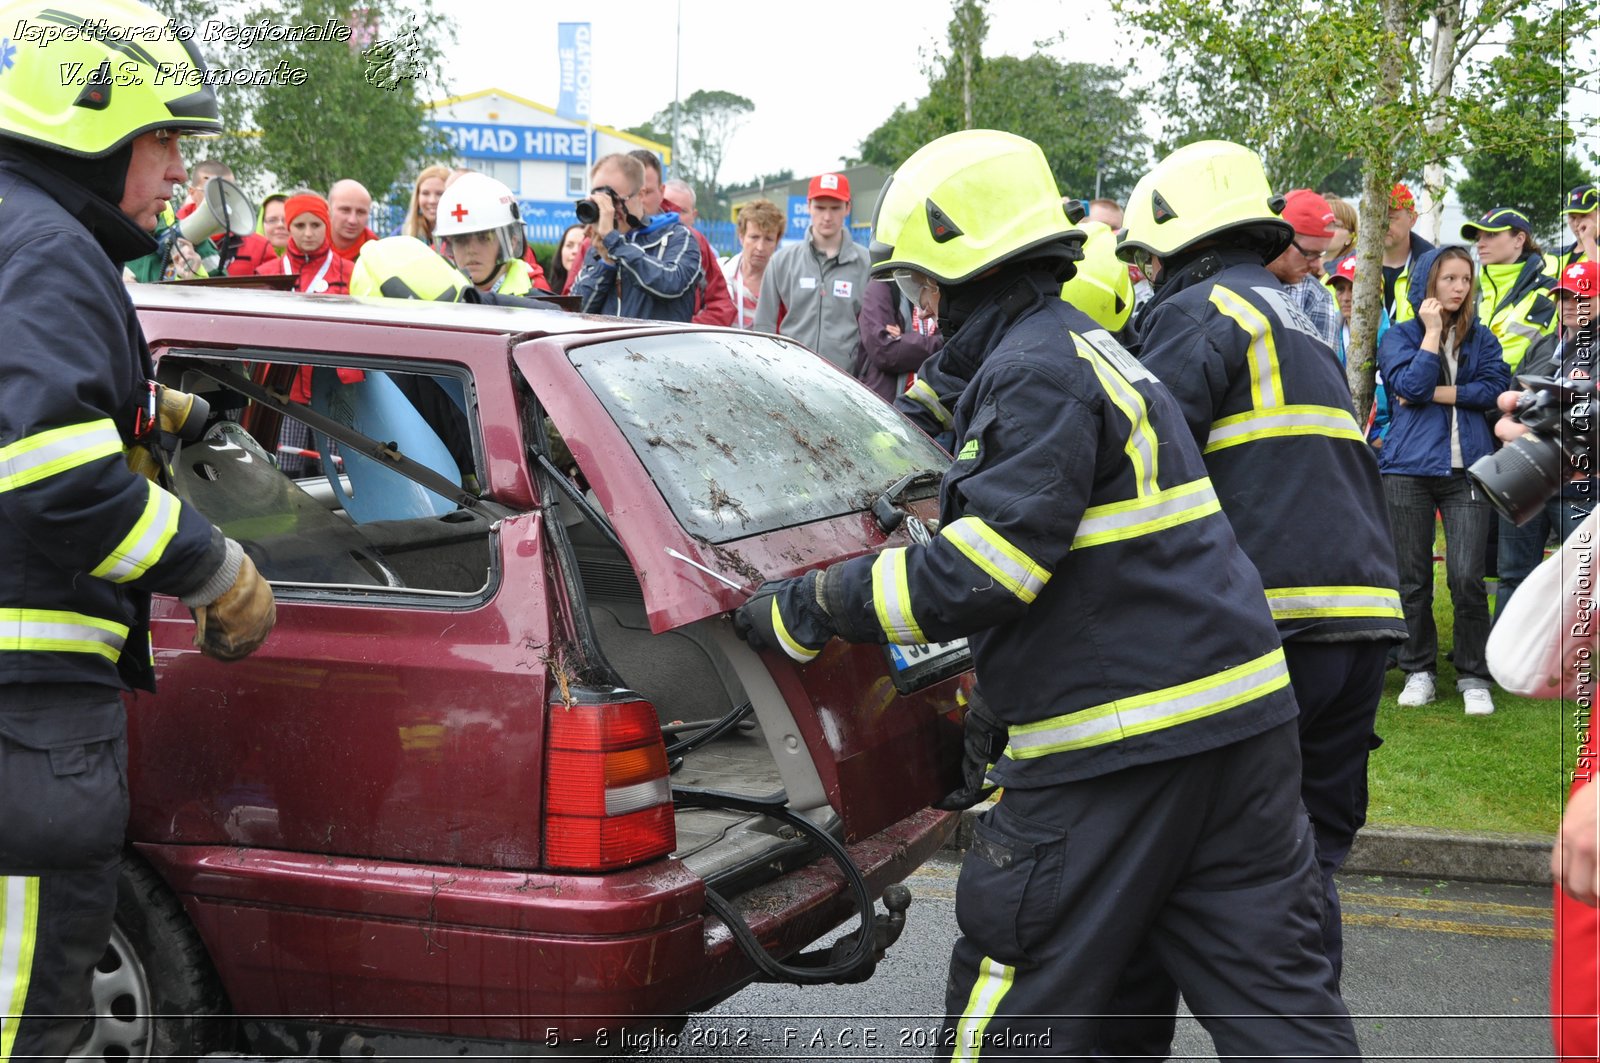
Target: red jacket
{"points": [[323, 265], [712, 303], [349, 253], [254, 252]]}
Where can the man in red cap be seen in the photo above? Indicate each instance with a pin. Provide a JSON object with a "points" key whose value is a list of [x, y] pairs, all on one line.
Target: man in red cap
{"points": [[813, 290], [1300, 265], [1401, 247]]}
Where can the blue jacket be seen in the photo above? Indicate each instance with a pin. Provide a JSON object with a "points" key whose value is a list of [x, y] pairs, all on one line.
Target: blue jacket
{"points": [[652, 274], [1113, 618], [1418, 443], [84, 540]]}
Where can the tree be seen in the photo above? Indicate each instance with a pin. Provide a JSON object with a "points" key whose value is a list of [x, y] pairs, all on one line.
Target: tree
{"points": [[1535, 185], [340, 108], [707, 121], [1082, 116], [1398, 84]]}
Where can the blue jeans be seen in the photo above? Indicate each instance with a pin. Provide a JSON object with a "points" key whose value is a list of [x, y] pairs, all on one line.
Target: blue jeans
{"points": [[1465, 510], [1521, 549]]}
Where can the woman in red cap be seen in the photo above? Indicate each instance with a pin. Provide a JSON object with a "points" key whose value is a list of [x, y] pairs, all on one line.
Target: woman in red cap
{"points": [[309, 256]]}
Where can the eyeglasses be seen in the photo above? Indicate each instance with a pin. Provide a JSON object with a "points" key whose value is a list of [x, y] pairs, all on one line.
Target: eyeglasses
{"points": [[1311, 256]]}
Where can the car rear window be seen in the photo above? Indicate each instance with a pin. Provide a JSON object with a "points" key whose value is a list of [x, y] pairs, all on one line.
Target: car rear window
{"points": [[748, 434]]}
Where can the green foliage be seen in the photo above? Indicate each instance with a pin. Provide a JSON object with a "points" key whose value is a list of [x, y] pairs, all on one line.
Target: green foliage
{"points": [[1080, 114], [352, 116], [1536, 184], [1378, 81], [707, 120]]}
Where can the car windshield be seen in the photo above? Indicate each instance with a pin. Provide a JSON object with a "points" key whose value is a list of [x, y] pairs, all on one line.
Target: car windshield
{"points": [[747, 434]]}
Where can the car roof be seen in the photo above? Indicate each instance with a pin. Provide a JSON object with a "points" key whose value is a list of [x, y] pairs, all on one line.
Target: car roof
{"points": [[506, 320]]}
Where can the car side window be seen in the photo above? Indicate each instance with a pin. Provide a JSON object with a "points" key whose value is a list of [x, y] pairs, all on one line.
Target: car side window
{"points": [[310, 510]]}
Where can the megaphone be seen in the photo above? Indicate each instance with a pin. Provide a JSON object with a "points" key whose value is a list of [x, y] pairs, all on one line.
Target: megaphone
{"points": [[223, 209]]}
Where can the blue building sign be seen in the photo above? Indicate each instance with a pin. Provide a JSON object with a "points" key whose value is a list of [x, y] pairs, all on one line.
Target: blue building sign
{"points": [[479, 140]]}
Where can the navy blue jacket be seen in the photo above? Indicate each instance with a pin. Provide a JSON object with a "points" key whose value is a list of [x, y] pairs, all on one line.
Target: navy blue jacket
{"points": [[1113, 618], [1271, 413], [1418, 443], [84, 540], [652, 275]]}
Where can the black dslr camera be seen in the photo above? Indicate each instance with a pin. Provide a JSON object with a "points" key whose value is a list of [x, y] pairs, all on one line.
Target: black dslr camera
{"points": [[1559, 413], [588, 213]]}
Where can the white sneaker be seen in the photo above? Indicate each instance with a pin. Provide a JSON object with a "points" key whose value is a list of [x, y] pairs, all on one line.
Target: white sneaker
{"points": [[1418, 691], [1479, 703]]}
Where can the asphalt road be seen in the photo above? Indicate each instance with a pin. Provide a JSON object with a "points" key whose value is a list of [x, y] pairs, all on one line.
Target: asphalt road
{"points": [[1433, 970]]}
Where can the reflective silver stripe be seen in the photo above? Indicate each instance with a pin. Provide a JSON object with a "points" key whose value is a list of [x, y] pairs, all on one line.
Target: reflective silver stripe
{"points": [[1266, 385], [988, 990], [57, 631], [997, 558], [891, 597], [1126, 520], [1154, 711], [923, 395], [44, 454], [19, 926], [1283, 421], [1142, 447], [1293, 603], [147, 541]]}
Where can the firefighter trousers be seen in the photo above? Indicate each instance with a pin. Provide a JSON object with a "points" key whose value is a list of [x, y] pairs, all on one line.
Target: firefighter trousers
{"points": [[63, 813], [1207, 860]]}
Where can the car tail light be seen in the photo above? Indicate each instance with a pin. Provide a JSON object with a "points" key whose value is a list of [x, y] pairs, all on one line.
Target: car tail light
{"points": [[608, 802]]}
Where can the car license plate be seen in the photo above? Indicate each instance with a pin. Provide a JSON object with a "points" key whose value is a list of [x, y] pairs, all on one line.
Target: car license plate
{"points": [[914, 667]]}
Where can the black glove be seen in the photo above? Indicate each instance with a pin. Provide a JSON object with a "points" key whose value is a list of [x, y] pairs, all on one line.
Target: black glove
{"points": [[983, 740], [786, 615]]}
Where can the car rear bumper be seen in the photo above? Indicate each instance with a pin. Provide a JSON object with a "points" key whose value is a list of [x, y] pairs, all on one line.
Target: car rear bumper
{"points": [[476, 953]]}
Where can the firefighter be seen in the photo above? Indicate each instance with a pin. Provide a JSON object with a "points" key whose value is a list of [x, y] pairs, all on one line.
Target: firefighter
{"points": [[1270, 412], [86, 166], [1135, 704]]}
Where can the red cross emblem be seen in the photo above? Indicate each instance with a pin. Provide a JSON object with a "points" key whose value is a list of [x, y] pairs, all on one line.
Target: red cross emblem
{"points": [[460, 212]]}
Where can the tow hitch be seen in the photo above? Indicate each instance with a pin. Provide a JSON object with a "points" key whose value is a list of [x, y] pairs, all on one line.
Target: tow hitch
{"points": [[850, 959]]}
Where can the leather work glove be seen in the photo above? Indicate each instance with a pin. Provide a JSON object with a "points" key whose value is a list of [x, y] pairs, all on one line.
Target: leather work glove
{"points": [[983, 740], [231, 625], [787, 615]]}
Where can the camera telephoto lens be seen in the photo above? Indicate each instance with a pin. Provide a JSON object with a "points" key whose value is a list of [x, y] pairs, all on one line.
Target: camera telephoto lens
{"points": [[586, 211], [1520, 476]]}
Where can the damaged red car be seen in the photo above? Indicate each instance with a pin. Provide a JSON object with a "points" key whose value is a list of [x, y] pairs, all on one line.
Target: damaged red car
{"points": [[503, 774]]}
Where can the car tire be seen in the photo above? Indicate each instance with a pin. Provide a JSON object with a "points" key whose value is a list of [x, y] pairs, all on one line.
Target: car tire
{"points": [[155, 993]]}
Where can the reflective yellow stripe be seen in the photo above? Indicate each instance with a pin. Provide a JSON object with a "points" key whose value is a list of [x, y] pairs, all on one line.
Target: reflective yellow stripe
{"points": [[56, 631], [1116, 521], [891, 596], [1001, 561], [790, 646], [1295, 603], [1266, 382], [924, 395], [19, 922], [1155, 711], [144, 545], [993, 983], [1142, 447], [40, 456], [1282, 422]]}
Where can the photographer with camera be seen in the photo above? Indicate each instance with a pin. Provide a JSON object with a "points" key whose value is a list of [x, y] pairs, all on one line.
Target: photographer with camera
{"points": [[1545, 644], [1522, 546], [644, 268]]}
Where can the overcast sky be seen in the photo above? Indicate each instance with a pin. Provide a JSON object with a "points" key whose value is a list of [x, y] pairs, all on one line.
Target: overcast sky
{"points": [[821, 78]]}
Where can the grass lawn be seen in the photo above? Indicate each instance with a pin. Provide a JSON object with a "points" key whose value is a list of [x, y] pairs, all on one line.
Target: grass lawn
{"points": [[1439, 767]]}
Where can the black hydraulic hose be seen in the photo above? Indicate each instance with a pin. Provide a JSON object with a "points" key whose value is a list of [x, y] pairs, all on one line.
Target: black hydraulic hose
{"points": [[714, 730], [777, 807]]}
